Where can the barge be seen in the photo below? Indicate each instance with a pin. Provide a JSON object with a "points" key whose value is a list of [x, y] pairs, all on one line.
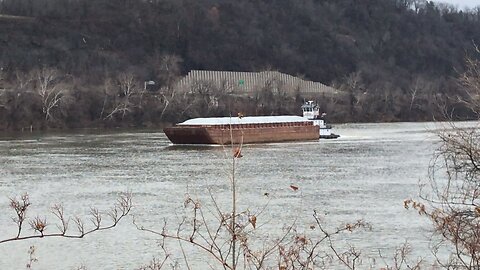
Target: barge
{"points": [[252, 129]]}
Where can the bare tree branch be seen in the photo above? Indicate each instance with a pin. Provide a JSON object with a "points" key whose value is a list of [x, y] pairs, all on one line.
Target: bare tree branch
{"points": [[39, 225]]}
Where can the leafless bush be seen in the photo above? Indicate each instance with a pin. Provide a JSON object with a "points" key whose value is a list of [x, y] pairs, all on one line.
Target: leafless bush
{"points": [[155, 264], [451, 196]]}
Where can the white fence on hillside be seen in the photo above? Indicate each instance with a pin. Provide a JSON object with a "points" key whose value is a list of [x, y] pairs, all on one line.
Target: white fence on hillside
{"points": [[248, 83]]}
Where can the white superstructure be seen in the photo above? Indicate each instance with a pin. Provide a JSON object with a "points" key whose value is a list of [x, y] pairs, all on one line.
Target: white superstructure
{"points": [[311, 112]]}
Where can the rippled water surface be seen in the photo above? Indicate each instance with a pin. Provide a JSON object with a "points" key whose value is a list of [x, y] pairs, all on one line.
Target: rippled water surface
{"points": [[366, 174]]}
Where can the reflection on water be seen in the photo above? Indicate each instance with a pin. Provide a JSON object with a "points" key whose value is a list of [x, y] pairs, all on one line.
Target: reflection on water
{"points": [[179, 147], [366, 174]]}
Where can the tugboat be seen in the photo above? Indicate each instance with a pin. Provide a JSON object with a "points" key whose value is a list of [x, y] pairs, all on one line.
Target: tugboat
{"points": [[252, 129], [311, 111]]}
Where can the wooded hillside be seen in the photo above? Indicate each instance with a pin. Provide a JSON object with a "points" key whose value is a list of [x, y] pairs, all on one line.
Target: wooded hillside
{"points": [[393, 59]]}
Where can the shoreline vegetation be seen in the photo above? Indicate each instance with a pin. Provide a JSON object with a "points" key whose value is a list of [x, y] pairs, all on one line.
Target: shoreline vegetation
{"points": [[77, 65], [45, 99]]}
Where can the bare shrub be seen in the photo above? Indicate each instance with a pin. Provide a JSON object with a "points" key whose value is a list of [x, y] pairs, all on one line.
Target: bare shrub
{"points": [[451, 196]]}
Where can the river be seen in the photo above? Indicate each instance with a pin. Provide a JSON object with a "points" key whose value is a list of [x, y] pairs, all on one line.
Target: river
{"points": [[366, 174]]}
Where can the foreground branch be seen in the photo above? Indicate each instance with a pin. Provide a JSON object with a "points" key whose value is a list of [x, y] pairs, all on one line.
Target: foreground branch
{"points": [[39, 225]]}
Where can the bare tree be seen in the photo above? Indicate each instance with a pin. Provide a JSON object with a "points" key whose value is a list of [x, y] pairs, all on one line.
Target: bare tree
{"points": [[204, 96], [168, 71], [107, 92], [23, 79], [49, 89], [414, 91], [471, 84], [126, 97], [357, 94], [353, 81]]}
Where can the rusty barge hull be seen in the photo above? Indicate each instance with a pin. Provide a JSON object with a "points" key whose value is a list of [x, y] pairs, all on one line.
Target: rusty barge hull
{"points": [[247, 133]]}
